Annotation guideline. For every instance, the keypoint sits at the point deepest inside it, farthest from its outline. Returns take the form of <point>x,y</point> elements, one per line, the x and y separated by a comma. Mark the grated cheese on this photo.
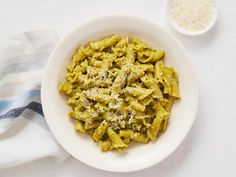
<point>192,15</point>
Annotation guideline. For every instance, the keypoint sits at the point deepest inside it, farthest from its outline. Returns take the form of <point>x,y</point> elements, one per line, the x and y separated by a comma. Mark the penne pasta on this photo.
<point>119,90</point>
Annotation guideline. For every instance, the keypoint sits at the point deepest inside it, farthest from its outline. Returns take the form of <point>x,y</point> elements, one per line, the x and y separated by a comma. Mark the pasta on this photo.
<point>119,91</point>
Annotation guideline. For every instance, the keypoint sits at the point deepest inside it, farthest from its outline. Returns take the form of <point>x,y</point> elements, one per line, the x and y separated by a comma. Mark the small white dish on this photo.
<point>188,32</point>
<point>81,146</point>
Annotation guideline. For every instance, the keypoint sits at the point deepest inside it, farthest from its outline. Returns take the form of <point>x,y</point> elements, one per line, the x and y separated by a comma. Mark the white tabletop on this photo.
<point>210,147</point>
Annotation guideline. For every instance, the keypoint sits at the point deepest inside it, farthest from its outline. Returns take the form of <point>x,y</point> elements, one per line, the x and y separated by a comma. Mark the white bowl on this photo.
<point>192,33</point>
<point>80,145</point>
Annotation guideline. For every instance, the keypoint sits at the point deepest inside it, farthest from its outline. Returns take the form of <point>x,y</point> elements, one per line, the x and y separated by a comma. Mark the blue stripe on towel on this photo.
<point>26,95</point>
<point>4,104</point>
<point>13,113</point>
<point>31,93</point>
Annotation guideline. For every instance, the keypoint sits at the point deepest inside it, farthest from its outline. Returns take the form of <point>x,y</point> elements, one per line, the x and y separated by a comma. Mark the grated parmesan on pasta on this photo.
<point>192,15</point>
<point>120,90</point>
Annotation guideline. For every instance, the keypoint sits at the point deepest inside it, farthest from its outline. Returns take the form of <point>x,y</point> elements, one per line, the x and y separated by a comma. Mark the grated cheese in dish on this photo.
<point>192,15</point>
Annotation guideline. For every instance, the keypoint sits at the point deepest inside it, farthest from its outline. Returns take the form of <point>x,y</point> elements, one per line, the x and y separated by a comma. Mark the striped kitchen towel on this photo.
<point>24,134</point>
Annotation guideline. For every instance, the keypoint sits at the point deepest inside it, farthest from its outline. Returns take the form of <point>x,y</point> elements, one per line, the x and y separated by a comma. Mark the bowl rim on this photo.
<point>119,168</point>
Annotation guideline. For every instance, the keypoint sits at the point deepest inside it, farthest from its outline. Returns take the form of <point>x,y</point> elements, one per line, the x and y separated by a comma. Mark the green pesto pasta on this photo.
<point>119,90</point>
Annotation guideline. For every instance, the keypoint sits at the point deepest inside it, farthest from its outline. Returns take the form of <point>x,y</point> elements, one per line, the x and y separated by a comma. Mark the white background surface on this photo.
<point>210,147</point>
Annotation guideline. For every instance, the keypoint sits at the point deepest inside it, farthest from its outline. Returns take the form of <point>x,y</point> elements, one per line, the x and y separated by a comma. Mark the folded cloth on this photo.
<point>24,134</point>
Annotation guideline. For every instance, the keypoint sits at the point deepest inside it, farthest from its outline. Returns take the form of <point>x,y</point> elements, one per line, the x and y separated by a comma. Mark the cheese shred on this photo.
<point>192,15</point>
